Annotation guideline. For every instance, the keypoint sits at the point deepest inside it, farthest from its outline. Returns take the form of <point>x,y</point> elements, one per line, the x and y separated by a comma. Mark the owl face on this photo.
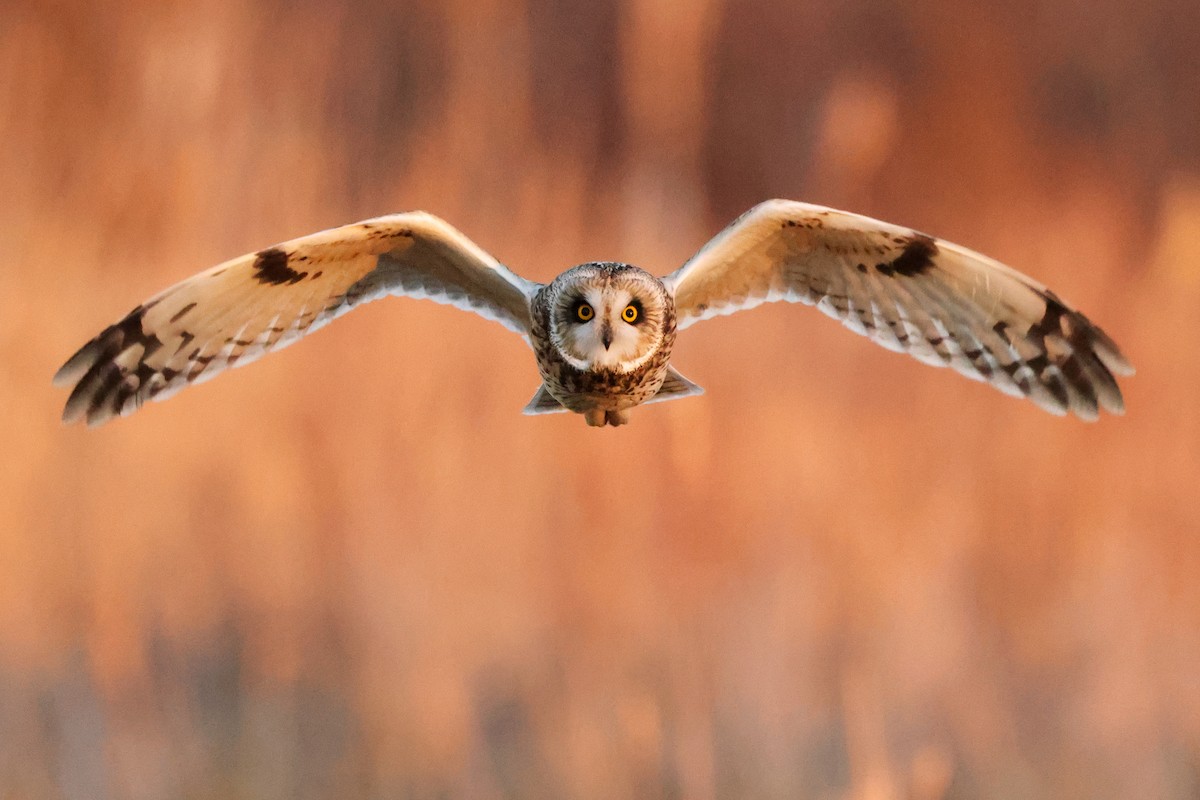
<point>607,316</point>
<point>603,332</point>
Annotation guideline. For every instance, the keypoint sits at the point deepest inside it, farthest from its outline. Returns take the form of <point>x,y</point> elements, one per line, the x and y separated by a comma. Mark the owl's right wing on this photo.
<point>939,302</point>
<point>235,312</point>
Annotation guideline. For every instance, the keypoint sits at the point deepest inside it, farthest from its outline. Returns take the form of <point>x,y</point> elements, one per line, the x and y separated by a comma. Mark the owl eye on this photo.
<point>584,312</point>
<point>630,314</point>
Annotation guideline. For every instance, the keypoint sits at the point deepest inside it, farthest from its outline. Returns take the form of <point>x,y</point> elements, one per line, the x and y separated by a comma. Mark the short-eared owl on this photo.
<point>602,332</point>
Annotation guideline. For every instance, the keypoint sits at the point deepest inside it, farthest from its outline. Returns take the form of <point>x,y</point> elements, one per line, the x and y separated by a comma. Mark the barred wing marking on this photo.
<point>235,312</point>
<point>943,304</point>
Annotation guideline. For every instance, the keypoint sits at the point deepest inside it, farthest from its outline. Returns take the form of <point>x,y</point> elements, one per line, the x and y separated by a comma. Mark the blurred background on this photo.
<point>357,571</point>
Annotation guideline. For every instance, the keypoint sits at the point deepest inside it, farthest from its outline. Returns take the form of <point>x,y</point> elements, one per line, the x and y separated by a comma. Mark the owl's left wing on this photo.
<point>237,311</point>
<point>941,303</point>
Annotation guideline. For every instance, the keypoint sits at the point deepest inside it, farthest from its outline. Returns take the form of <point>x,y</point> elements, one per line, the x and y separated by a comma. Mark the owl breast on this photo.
<point>582,390</point>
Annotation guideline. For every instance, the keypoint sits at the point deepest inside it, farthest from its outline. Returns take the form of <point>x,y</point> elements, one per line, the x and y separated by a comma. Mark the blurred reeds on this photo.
<point>356,571</point>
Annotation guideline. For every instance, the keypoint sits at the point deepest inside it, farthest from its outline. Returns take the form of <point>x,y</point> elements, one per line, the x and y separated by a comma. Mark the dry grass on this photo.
<point>355,570</point>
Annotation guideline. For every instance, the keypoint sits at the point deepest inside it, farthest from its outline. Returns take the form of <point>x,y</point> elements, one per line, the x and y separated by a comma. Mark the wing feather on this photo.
<point>941,303</point>
<point>236,312</point>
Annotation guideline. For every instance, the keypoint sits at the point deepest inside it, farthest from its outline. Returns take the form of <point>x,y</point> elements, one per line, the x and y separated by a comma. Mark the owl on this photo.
<point>602,333</point>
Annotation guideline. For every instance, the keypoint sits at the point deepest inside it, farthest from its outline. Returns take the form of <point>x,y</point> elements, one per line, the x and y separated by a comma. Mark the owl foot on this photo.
<point>598,417</point>
<point>616,418</point>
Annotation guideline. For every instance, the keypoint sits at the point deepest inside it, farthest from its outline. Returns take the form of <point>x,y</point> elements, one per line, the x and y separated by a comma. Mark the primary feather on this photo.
<point>235,312</point>
<point>941,303</point>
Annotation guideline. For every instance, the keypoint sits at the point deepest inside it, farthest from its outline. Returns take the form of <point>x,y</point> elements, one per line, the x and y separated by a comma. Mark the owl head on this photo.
<point>609,316</point>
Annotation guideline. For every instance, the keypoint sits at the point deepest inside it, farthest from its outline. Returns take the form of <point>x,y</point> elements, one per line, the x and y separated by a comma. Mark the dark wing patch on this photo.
<point>235,312</point>
<point>271,267</point>
<point>940,303</point>
<point>915,259</point>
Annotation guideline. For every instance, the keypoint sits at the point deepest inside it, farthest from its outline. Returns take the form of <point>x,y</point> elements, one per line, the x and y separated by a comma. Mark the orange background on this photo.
<point>355,570</point>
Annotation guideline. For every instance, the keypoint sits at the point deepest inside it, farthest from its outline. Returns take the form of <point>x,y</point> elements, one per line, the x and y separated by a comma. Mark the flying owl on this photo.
<point>602,332</point>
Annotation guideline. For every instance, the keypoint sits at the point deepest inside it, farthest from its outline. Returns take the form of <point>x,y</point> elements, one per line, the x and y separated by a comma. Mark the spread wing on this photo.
<point>237,311</point>
<point>941,303</point>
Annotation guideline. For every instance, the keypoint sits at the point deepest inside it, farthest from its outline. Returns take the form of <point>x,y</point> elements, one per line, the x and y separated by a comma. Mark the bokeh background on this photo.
<point>356,571</point>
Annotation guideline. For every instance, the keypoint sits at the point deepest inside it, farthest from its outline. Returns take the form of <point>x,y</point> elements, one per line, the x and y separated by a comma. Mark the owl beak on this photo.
<point>606,335</point>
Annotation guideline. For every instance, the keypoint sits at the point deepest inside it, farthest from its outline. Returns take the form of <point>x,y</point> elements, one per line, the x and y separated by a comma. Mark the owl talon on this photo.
<point>595,417</point>
<point>616,418</point>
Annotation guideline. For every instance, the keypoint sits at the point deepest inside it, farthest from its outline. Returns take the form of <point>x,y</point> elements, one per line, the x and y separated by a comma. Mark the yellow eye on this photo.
<point>630,314</point>
<point>584,312</point>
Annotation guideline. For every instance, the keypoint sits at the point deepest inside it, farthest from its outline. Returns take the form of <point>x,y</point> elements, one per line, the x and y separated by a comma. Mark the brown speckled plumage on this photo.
<point>608,389</point>
<point>602,333</point>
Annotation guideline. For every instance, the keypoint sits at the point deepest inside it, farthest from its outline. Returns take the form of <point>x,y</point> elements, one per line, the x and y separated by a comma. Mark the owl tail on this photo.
<point>543,403</point>
<point>675,387</point>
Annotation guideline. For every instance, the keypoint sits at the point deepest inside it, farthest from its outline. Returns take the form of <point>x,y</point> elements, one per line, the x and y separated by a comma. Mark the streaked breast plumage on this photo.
<point>603,332</point>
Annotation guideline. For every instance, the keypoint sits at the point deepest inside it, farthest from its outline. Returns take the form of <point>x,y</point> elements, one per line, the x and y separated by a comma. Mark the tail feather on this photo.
<point>675,387</point>
<point>543,403</point>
